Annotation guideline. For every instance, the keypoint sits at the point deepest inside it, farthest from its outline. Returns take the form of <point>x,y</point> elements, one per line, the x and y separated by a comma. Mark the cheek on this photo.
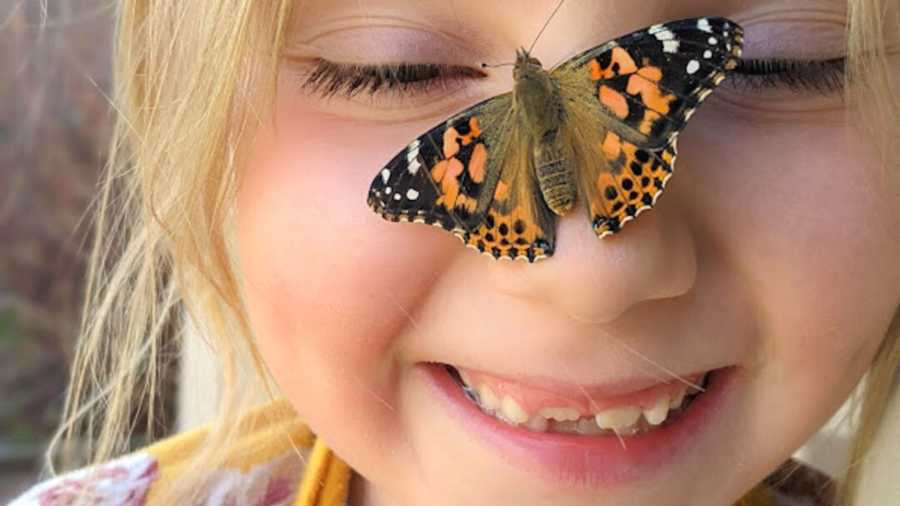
<point>811,228</point>
<point>328,282</point>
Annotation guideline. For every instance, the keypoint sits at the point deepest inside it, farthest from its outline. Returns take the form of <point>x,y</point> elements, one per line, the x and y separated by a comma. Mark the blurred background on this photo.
<point>55,122</point>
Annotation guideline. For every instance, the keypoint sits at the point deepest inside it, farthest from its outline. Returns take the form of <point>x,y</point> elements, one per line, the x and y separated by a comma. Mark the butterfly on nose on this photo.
<point>600,128</point>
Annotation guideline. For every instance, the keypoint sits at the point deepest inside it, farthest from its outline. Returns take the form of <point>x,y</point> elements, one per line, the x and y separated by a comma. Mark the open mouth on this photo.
<point>587,436</point>
<point>650,409</point>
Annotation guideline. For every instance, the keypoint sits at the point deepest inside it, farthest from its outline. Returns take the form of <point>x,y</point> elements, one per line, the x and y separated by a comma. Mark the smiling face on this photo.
<point>770,259</point>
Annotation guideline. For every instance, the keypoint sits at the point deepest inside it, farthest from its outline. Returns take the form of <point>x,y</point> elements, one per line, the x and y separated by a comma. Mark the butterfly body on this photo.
<point>539,110</point>
<point>600,129</point>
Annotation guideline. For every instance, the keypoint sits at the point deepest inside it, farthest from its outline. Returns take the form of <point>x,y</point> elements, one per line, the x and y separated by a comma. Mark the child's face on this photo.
<point>773,253</point>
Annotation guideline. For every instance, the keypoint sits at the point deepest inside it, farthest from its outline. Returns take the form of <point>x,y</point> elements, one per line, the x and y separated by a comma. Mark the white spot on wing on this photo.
<point>707,54</point>
<point>412,151</point>
<point>713,41</point>
<point>665,35</point>
<point>671,46</point>
<point>703,24</point>
<point>397,196</point>
<point>385,175</point>
<point>693,66</point>
<point>412,194</point>
<point>413,167</point>
<point>388,190</point>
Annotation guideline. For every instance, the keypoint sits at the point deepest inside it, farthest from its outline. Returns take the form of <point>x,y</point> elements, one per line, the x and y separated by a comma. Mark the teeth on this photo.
<point>623,420</point>
<point>511,410</point>
<point>658,412</point>
<point>618,418</point>
<point>570,426</point>
<point>465,377</point>
<point>675,403</point>
<point>560,414</point>
<point>538,423</point>
<point>588,427</point>
<point>487,399</point>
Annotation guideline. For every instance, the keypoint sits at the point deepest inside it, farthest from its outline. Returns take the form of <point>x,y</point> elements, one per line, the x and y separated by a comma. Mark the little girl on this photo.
<point>679,360</point>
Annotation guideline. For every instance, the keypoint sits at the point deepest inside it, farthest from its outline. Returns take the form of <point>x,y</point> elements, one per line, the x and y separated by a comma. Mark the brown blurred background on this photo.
<point>54,126</point>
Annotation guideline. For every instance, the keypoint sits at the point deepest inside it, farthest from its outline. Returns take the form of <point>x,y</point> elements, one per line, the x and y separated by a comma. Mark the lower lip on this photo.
<point>585,461</point>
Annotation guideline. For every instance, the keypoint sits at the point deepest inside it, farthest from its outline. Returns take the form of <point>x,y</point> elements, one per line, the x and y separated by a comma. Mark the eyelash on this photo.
<point>819,76</point>
<point>329,79</point>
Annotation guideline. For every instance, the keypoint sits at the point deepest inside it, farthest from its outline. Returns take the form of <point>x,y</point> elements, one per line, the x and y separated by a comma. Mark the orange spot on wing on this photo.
<point>625,65</point>
<point>604,179</point>
<point>451,146</point>
<point>652,73</point>
<point>612,145</point>
<point>594,69</point>
<point>439,169</point>
<point>614,101</point>
<point>644,84</point>
<point>466,202</point>
<point>502,191</point>
<point>478,163</point>
<point>473,124</point>
<point>650,119</point>
<point>446,173</point>
<point>474,132</point>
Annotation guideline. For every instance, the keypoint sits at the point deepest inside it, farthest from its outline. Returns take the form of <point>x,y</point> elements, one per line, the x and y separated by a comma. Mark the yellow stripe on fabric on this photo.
<point>337,483</point>
<point>326,479</point>
<point>267,431</point>
<point>759,496</point>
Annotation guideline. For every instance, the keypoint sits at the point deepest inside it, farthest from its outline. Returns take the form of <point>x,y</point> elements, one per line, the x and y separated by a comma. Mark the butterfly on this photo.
<point>600,128</point>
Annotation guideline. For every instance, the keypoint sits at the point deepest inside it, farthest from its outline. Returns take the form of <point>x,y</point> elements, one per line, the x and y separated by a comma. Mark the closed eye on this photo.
<point>817,76</point>
<point>329,79</point>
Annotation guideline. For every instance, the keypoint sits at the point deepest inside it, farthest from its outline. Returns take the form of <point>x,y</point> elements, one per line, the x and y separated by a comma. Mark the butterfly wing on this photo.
<point>468,176</point>
<point>518,223</point>
<point>628,100</point>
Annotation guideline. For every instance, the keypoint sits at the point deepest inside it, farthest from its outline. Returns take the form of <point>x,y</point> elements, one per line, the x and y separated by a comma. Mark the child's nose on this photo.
<point>652,257</point>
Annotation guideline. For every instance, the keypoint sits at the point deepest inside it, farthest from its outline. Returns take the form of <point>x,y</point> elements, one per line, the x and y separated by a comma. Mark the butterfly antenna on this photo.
<point>546,23</point>
<point>495,65</point>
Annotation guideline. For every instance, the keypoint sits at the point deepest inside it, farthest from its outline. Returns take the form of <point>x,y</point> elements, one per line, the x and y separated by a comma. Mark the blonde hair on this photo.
<point>193,81</point>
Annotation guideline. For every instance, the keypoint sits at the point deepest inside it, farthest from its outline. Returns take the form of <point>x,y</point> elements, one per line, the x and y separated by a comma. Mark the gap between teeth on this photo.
<point>621,420</point>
